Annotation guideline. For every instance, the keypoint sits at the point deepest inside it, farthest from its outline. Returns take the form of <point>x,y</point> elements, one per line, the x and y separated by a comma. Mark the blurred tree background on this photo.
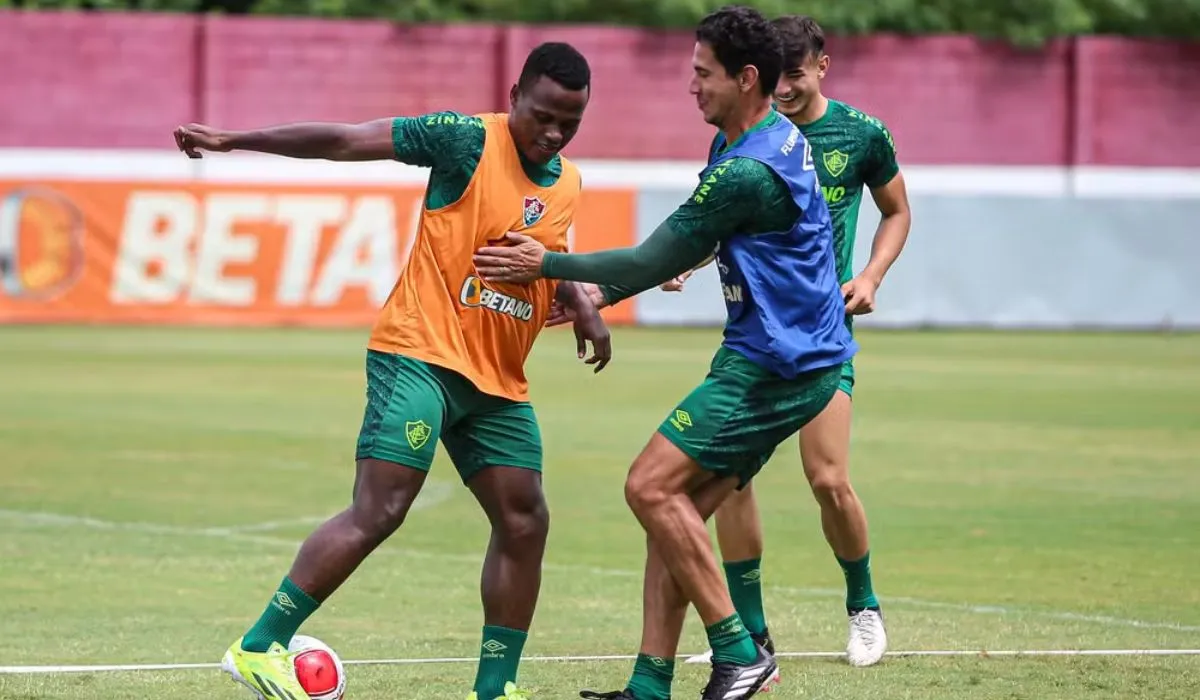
<point>1022,22</point>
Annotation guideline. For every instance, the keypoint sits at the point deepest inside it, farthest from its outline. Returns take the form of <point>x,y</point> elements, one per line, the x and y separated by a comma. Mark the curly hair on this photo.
<point>802,38</point>
<point>741,36</point>
<point>559,62</point>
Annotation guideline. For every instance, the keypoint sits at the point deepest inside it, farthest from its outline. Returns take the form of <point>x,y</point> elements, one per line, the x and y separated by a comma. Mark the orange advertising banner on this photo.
<point>228,254</point>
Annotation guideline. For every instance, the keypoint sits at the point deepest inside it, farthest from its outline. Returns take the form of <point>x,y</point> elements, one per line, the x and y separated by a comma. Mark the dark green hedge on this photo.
<point>1024,22</point>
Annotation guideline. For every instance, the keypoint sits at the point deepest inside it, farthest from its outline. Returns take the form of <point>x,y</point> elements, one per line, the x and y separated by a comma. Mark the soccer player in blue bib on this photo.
<point>854,153</point>
<point>759,208</point>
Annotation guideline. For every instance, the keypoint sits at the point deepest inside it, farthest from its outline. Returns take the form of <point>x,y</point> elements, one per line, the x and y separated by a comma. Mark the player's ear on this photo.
<point>512,96</point>
<point>822,65</point>
<point>747,78</point>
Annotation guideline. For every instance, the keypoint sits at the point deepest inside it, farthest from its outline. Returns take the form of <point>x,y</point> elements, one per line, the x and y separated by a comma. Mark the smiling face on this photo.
<point>799,84</point>
<point>717,92</point>
<point>545,117</point>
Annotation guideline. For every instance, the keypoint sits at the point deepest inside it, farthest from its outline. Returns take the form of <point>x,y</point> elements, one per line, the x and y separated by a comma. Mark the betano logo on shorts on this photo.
<point>475,294</point>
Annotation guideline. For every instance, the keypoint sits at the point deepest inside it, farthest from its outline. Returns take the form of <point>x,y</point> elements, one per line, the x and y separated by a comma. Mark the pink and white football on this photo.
<point>318,668</point>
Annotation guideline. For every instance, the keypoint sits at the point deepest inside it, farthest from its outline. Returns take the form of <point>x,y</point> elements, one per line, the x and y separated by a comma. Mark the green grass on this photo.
<point>1025,491</point>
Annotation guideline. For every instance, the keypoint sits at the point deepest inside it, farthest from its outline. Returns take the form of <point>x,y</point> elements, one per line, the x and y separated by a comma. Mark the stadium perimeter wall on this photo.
<point>1055,188</point>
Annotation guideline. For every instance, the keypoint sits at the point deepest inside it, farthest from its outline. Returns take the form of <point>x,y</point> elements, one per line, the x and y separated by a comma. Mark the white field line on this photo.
<point>33,518</point>
<point>982,654</point>
<point>435,493</point>
<point>977,609</point>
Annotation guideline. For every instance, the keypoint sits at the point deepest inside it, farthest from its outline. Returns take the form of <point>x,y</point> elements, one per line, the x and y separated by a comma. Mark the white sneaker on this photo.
<point>868,638</point>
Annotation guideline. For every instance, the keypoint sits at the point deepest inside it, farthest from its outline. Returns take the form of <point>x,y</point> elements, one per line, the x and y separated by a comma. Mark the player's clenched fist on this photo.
<point>859,294</point>
<point>676,284</point>
<point>194,138</point>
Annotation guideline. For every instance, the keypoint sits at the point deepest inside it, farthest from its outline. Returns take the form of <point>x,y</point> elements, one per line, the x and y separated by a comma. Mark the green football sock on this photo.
<point>499,656</point>
<point>859,593</point>
<point>288,609</point>
<point>745,587</point>
<point>651,679</point>
<point>730,641</point>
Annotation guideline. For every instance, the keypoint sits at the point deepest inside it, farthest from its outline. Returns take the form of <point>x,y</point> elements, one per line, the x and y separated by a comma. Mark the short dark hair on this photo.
<point>802,38</point>
<point>559,62</point>
<point>741,36</point>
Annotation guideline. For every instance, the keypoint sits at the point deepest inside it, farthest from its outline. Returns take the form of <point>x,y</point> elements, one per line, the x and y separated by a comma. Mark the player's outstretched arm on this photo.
<point>328,141</point>
<point>726,201</point>
<point>665,254</point>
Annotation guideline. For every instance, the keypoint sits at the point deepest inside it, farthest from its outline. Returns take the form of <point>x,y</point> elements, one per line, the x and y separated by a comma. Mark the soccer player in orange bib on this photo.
<point>446,356</point>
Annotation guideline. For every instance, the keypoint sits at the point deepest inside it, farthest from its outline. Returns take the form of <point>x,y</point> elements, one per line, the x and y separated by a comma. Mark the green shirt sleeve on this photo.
<point>880,165</point>
<point>624,272</point>
<point>730,198</point>
<point>449,143</point>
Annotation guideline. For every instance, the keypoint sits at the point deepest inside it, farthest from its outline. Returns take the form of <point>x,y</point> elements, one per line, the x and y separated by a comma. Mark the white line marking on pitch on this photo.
<point>35,518</point>
<point>787,590</point>
<point>982,654</point>
<point>432,495</point>
<point>438,492</point>
<point>997,610</point>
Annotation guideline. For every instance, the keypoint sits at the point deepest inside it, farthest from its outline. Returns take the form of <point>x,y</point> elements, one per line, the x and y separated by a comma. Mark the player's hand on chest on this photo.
<point>536,219</point>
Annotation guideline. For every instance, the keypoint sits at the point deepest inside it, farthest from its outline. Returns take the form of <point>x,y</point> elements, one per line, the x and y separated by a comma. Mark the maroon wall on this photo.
<point>114,80</point>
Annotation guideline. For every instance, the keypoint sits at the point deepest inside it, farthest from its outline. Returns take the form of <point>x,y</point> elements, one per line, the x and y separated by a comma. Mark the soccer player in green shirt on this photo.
<point>852,151</point>
<point>443,363</point>
<point>759,210</point>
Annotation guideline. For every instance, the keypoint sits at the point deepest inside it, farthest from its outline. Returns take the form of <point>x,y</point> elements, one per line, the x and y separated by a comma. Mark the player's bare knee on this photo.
<point>644,494</point>
<point>832,488</point>
<point>525,523</point>
<point>382,513</point>
<point>383,494</point>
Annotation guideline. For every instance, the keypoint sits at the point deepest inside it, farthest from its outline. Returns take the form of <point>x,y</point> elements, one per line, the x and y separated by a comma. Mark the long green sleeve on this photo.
<point>665,254</point>
<point>731,198</point>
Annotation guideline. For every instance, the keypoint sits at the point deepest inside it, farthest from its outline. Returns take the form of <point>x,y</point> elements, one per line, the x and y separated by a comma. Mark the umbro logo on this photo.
<point>681,419</point>
<point>284,602</point>
<point>494,647</point>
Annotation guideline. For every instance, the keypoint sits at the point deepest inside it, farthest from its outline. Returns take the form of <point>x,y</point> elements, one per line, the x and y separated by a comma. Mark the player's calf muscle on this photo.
<point>383,494</point>
<point>739,530</point>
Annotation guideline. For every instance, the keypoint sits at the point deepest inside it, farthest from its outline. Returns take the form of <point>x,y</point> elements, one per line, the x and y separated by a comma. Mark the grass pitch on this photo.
<point>1025,491</point>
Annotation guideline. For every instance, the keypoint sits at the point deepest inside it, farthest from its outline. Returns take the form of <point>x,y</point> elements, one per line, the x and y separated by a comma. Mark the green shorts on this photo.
<point>846,382</point>
<point>412,404</point>
<point>732,423</point>
<point>846,385</point>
